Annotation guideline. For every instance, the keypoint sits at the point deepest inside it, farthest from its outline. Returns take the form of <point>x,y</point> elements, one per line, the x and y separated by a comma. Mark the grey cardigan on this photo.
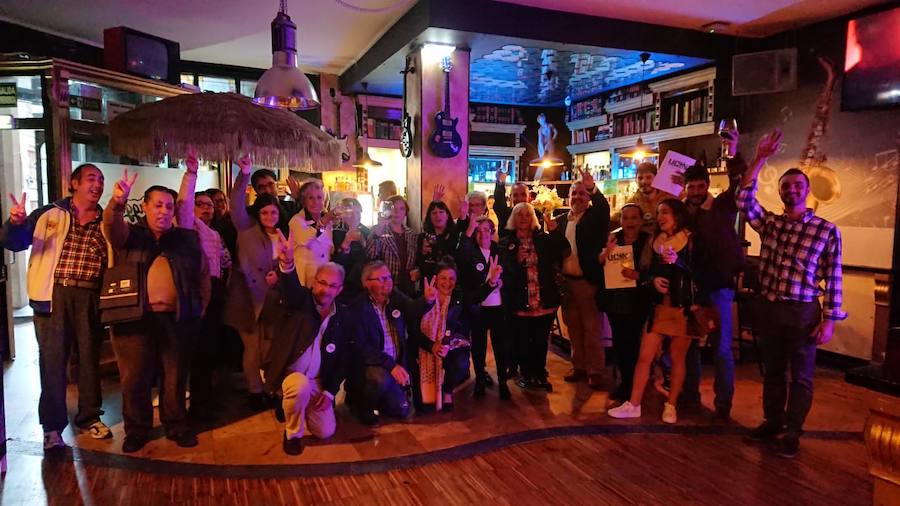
<point>247,286</point>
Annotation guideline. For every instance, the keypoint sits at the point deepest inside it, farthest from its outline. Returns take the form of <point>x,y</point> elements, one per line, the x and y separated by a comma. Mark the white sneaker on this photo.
<point>53,440</point>
<point>669,415</point>
<point>626,410</point>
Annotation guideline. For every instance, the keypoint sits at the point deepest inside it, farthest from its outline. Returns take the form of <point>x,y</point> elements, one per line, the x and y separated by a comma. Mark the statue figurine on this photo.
<point>546,137</point>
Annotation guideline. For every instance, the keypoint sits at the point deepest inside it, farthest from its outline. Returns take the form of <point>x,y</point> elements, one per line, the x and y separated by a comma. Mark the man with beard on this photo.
<point>68,255</point>
<point>798,252</point>
<point>648,197</point>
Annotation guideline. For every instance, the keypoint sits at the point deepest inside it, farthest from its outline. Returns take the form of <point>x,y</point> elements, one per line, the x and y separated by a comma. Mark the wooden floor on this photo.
<point>628,469</point>
<point>559,448</point>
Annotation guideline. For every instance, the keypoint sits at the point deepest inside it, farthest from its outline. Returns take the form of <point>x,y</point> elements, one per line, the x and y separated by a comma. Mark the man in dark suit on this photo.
<point>380,370</point>
<point>585,227</point>
<point>310,347</point>
<point>518,194</point>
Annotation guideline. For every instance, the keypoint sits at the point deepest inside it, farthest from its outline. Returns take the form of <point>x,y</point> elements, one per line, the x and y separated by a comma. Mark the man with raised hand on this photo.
<point>799,252</point>
<point>68,255</point>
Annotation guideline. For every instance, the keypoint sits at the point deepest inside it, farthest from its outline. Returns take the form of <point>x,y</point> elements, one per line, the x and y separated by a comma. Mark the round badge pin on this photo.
<point>447,333</point>
<point>330,348</point>
<point>512,246</point>
<point>479,267</point>
<point>395,313</point>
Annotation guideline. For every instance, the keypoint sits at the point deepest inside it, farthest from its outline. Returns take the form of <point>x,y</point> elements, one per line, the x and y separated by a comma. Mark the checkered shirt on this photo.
<point>796,257</point>
<point>84,251</point>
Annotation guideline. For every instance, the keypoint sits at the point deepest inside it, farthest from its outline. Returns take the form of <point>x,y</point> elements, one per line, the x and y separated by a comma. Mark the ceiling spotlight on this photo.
<point>716,26</point>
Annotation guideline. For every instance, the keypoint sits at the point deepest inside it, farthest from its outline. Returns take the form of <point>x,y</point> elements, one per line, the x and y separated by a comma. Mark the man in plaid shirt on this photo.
<point>799,252</point>
<point>68,255</point>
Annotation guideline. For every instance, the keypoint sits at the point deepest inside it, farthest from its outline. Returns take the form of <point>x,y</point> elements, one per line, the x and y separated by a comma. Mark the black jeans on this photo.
<point>377,389</point>
<point>154,346</point>
<point>785,341</point>
<point>74,320</point>
<point>491,318</point>
<point>532,340</point>
<point>209,350</point>
<point>627,330</point>
<point>456,369</point>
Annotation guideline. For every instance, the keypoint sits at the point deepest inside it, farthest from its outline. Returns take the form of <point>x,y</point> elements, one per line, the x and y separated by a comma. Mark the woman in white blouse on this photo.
<point>311,230</point>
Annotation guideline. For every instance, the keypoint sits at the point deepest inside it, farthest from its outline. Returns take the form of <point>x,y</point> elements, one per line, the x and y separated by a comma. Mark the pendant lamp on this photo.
<point>284,86</point>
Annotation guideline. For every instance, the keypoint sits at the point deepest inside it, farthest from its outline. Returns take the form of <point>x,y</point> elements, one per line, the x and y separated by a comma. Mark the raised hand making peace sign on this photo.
<point>430,292</point>
<point>494,271</point>
<point>123,188</point>
<point>17,213</point>
<point>285,250</point>
<point>587,179</point>
<point>191,162</point>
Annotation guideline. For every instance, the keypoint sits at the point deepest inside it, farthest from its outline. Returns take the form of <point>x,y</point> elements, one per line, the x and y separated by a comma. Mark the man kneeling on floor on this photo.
<point>309,350</point>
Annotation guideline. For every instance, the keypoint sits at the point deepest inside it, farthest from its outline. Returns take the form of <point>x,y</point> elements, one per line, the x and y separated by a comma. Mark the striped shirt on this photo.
<point>796,257</point>
<point>390,332</point>
<point>83,253</point>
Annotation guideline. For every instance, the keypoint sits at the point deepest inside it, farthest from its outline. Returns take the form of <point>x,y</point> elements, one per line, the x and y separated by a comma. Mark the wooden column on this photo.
<point>425,98</point>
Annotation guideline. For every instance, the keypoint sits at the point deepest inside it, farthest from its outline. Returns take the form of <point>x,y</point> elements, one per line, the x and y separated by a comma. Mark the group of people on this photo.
<point>394,316</point>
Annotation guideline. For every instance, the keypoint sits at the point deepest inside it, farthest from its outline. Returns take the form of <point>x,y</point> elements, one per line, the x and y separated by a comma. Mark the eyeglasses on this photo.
<point>333,286</point>
<point>381,279</point>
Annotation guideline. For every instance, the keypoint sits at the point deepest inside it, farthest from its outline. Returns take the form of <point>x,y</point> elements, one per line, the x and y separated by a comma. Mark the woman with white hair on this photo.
<point>312,232</point>
<point>531,261</point>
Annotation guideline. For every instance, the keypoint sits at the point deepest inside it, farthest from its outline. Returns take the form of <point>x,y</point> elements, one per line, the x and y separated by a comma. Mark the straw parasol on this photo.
<point>222,127</point>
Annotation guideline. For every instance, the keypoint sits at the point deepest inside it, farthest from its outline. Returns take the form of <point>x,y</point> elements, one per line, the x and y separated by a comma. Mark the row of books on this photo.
<point>591,134</point>
<point>496,114</point>
<point>380,129</point>
<point>634,123</point>
<point>686,112</point>
<point>585,109</point>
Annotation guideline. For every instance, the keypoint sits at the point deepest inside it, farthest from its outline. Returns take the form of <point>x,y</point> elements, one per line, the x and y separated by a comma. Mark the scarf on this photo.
<point>431,370</point>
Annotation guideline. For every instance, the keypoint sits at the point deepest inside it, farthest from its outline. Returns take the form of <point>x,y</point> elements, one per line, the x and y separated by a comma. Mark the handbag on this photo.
<point>703,320</point>
<point>120,294</point>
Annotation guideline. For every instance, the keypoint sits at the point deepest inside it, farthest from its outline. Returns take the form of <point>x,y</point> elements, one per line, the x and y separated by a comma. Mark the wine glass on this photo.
<point>727,127</point>
<point>341,212</point>
<point>384,215</point>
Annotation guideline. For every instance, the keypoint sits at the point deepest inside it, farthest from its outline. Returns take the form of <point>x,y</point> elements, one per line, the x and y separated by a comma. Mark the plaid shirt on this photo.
<point>796,256</point>
<point>84,250</point>
<point>385,248</point>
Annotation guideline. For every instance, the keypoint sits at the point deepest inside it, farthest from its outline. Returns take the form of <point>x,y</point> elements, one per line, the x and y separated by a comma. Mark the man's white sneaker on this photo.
<point>97,430</point>
<point>669,415</point>
<point>626,410</point>
<point>53,440</point>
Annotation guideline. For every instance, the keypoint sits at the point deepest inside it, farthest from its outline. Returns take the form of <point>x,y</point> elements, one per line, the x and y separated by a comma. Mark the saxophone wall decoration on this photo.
<point>824,183</point>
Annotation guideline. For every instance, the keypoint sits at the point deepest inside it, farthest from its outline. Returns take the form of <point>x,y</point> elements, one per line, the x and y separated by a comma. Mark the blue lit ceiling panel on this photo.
<point>534,75</point>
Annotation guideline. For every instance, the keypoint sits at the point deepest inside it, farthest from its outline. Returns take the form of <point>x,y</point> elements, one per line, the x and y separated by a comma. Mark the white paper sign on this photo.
<point>619,258</point>
<point>673,163</point>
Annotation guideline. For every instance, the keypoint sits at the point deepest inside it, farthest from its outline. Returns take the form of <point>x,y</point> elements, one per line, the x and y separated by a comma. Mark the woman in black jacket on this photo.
<point>439,238</point>
<point>627,308</point>
<point>444,343</point>
<point>474,258</point>
<point>531,261</point>
<point>672,278</point>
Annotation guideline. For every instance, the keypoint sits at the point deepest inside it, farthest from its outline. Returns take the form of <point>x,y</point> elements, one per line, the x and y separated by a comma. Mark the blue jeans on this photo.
<point>724,360</point>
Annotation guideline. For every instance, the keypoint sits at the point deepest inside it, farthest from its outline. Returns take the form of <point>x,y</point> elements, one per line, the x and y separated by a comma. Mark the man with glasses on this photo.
<point>265,181</point>
<point>380,372</point>
<point>310,347</point>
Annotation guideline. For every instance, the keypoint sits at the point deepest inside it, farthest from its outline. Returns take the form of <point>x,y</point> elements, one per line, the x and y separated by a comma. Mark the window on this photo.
<point>248,88</point>
<point>187,79</point>
<point>217,84</point>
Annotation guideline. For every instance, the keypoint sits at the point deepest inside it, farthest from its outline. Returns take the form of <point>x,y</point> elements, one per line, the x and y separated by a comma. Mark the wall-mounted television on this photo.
<point>872,62</point>
<point>141,54</point>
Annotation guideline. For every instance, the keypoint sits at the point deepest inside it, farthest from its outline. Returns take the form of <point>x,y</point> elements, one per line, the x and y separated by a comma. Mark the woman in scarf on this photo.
<point>444,341</point>
<point>671,277</point>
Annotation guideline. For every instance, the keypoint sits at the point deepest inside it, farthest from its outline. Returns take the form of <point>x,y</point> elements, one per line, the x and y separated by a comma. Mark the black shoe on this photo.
<point>447,407</point>
<point>133,443</point>
<point>689,403</point>
<point>368,418</point>
<point>479,388</point>
<point>291,446</point>
<point>487,379</point>
<point>504,391</point>
<point>723,415</point>
<point>787,446</point>
<point>186,439</point>
<point>524,383</point>
<point>512,373</point>
<point>258,402</point>
<point>766,431</point>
